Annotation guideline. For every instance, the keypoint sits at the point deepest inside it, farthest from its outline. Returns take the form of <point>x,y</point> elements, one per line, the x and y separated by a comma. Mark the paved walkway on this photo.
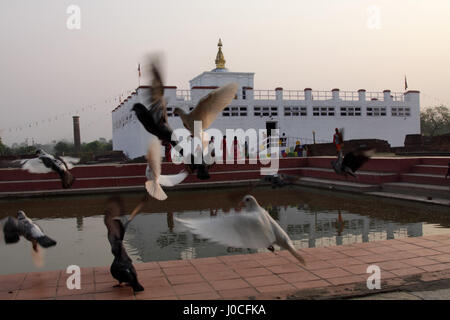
<point>333,272</point>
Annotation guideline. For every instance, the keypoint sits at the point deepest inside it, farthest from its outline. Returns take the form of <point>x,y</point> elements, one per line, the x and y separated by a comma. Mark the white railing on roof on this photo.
<point>374,96</point>
<point>397,96</point>
<point>349,95</point>
<point>322,95</point>
<point>183,95</point>
<point>299,95</point>
<point>293,95</point>
<point>264,95</point>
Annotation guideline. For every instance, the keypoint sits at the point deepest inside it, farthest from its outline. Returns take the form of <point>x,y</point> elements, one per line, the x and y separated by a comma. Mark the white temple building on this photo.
<point>299,114</point>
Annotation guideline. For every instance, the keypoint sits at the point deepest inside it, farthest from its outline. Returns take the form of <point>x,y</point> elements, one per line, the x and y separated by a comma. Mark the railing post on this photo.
<point>248,93</point>
<point>387,95</point>
<point>279,93</point>
<point>335,94</point>
<point>362,94</point>
<point>308,93</point>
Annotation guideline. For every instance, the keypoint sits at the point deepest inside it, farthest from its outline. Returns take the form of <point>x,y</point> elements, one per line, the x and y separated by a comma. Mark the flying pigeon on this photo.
<point>352,161</point>
<point>207,109</point>
<point>254,228</point>
<point>153,172</point>
<point>154,119</point>
<point>45,163</point>
<point>122,268</point>
<point>14,228</point>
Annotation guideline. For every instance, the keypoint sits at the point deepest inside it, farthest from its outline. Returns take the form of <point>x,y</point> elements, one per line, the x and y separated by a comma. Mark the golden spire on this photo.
<point>220,60</point>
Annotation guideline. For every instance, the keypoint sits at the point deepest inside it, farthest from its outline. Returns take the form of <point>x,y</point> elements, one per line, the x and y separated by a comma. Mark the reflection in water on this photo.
<point>305,228</point>
<point>312,218</point>
<point>170,223</point>
<point>80,223</point>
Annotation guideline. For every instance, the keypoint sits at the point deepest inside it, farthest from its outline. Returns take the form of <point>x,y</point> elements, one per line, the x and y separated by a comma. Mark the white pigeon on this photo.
<point>207,109</point>
<point>153,172</point>
<point>254,228</point>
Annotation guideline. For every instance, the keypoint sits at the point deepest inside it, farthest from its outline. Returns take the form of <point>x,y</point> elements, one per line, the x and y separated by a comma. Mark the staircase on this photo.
<point>426,179</point>
<point>404,178</point>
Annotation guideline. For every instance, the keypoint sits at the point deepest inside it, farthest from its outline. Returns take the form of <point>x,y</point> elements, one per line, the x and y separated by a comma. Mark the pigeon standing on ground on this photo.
<point>45,163</point>
<point>352,161</point>
<point>280,180</point>
<point>14,228</point>
<point>122,268</point>
<point>254,228</point>
<point>153,172</point>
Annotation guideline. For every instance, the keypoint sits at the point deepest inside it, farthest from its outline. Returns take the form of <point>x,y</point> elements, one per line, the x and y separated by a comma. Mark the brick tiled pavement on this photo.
<point>260,276</point>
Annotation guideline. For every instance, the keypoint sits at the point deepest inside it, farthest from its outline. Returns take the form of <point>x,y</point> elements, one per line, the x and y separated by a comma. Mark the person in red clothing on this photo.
<point>338,140</point>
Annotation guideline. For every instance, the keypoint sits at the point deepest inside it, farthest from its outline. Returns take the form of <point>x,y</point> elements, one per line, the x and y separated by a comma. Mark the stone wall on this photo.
<point>328,149</point>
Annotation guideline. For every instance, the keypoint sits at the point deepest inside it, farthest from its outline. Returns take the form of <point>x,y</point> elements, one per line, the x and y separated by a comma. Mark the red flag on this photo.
<point>139,69</point>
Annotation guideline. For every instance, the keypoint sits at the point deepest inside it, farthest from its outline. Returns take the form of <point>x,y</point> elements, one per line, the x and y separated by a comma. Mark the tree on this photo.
<point>63,147</point>
<point>97,146</point>
<point>435,121</point>
<point>4,150</point>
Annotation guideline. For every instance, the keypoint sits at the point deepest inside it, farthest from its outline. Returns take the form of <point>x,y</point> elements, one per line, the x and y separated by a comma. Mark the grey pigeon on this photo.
<point>279,180</point>
<point>23,226</point>
<point>45,163</point>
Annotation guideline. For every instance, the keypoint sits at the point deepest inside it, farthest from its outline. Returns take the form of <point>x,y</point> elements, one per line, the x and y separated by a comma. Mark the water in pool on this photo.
<point>312,218</point>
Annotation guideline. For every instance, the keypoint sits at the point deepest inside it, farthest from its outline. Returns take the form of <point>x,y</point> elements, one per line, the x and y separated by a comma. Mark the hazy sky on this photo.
<point>47,70</point>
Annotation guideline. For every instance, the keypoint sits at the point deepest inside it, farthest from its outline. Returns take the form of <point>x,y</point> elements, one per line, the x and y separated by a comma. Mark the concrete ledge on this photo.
<point>438,201</point>
<point>329,273</point>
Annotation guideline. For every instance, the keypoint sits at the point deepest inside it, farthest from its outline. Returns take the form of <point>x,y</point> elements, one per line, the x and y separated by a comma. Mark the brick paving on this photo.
<point>252,276</point>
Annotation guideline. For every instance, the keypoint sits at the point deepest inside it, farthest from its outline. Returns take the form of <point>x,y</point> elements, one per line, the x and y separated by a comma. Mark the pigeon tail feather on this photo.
<point>46,242</point>
<point>67,179</point>
<point>137,287</point>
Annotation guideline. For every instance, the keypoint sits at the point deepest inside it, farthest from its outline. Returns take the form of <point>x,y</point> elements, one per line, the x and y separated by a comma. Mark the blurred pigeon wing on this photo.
<point>237,230</point>
<point>172,180</point>
<point>355,160</point>
<point>70,161</point>
<point>154,189</point>
<point>157,85</point>
<point>9,230</point>
<point>209,107</point>
<point>154,157</point>
<point>35,165</point>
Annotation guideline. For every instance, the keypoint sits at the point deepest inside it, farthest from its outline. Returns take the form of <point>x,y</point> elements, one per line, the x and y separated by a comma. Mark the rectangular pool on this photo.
<point>312,218</point>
